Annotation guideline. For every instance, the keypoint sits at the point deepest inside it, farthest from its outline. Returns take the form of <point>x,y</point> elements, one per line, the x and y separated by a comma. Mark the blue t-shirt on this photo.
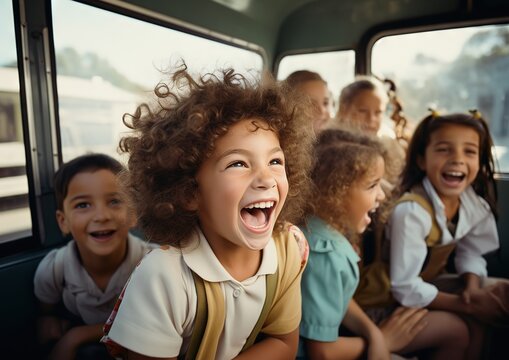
<point>328,283</point>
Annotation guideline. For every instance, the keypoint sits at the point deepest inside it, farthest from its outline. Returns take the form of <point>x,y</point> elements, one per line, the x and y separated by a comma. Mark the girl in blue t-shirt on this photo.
<point>347,173</point>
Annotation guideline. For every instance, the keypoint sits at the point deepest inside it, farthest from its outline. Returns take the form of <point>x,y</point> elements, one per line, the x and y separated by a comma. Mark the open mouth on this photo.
<point>102,235</point>
<point>257,215</point>
<point>453,176</point>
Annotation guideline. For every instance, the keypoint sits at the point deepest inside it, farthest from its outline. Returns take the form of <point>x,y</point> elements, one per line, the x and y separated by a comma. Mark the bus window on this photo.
<point>15,219</point>
<point>105,70</point>
<point>452,70</point>
<point>335,67</point>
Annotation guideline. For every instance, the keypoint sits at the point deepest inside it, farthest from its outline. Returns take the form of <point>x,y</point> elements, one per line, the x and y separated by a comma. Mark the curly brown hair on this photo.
<point>341,158</point>
<point>172,139</point>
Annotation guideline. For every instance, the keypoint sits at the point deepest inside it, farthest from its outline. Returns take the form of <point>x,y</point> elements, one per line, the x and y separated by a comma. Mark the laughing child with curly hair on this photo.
<point>217,171</point>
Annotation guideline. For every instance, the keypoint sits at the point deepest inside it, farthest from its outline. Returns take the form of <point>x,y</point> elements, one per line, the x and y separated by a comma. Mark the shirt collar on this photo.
<point>435,199</point>
<point>321,235</point>
<point>200,258</point>
<point>472,209</point>
<point>75,273</point>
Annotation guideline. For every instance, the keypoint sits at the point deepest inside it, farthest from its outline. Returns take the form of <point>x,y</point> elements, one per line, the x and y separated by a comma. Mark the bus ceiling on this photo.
<point>281,27</point>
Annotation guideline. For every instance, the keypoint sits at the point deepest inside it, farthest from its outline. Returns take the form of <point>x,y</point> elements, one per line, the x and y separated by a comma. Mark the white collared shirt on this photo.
<point>157,312</point>
<point>408,226</point>
<point>65,279</point>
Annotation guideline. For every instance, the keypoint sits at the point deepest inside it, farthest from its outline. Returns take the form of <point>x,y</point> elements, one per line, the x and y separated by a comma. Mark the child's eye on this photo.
<point>373,185</point>
<point>115,201</point>
<point>471,151</point>
<point>277,161</point>
<point>442,149</point>
<point>82,205</point>
<point>237,164</point>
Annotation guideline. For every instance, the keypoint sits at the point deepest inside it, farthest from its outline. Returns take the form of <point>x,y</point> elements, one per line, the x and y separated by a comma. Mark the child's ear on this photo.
<point>62,222</point>
<point>192,205</point>
<point>194,202</point>
<point>132,221</point>
<point>421,162</point>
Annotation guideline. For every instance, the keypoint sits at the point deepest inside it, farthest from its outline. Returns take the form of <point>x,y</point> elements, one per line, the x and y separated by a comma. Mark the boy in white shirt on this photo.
<point>78,284</point>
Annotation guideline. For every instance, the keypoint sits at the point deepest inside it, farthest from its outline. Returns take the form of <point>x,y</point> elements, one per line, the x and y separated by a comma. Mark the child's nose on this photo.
<point>264,179</point>
<point>325,111</point>
<point>457,157</point>
<point>102,213</point>
<point>374,118</point>
<point>381,194</point>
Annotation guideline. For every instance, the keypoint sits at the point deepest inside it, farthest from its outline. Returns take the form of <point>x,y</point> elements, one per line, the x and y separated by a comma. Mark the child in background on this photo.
<point>450,166</point>
<point>312,85</point>
<point>362,106</point>
<point>77,285</point>
<point>216,171</point>
<point>346,177</point>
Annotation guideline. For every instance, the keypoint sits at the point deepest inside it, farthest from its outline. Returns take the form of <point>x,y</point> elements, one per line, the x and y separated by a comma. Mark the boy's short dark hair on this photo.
<point>83,163</point>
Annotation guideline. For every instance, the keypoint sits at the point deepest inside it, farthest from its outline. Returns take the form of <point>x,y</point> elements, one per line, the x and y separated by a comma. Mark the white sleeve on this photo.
<point>482,239</point>
<point>47,288</point>
<point>408,226</point>
<point>155,308</point>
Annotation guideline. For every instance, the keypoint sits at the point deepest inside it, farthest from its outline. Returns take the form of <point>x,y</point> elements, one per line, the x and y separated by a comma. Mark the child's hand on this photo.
<point>402,326</point>
<point>470,291</point>
<point>472,286</point>
<point>50,328</point>
<point>377,347</point>
<point>491,304</point>
<point>65,348</point>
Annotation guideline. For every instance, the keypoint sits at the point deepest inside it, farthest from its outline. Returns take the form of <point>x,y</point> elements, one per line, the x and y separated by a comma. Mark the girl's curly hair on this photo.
<point>341,159</point>
<point>172,139</point>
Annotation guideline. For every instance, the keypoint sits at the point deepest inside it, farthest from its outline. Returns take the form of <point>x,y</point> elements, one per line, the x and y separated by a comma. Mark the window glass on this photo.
<point>15,219</point>
<point>452,70</point>
<point>105,70</point>
<point>335,67</point>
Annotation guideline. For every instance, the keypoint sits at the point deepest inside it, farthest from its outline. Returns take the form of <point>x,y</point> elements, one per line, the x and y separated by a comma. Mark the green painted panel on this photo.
<point>341,24</point>
<point>18,310</point>
<point>244,26</point>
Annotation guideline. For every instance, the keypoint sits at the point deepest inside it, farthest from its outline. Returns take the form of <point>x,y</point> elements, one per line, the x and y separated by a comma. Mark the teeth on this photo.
<point>261,205</point>
<point>105,232</point>
<point>454,173</point>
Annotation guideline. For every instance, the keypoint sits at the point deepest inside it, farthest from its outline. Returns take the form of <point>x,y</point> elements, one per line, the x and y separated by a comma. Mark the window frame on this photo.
<point>424,24</point>
<point>36,62</point>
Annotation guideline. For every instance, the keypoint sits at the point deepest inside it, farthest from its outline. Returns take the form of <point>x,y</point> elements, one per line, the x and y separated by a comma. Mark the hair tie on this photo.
<point>476,114</point>
<point>434,113</point>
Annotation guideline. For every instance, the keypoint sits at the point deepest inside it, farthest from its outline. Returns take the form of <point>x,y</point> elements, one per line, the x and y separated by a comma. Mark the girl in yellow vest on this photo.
<point>215,170</point>
<point>450,168</point>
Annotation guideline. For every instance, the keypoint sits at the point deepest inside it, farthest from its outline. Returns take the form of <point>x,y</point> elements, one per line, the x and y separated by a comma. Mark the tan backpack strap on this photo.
<point>215,320</point>
<point>209,321</point>
<point>201,318</point>
<point>210,314</point>
<point>270,293</point>
<point>435,234</point>
<point>436,261</point>
<point>378,234</point>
